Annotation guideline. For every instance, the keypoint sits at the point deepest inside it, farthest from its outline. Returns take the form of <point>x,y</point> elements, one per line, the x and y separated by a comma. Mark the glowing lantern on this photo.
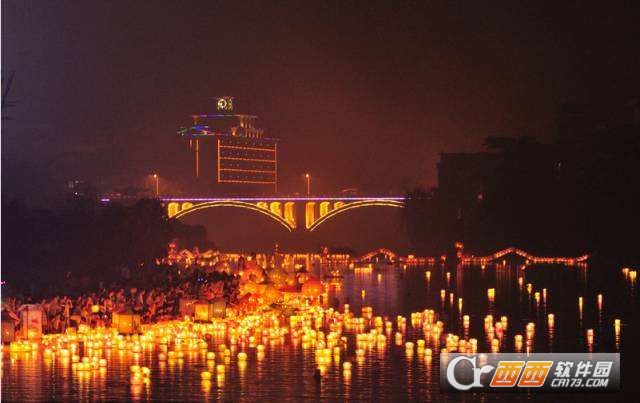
<point>303,275</point>
<point>126,322</point>
<point>277,276</point>
<point>202,311</point>
<point>31,319</point>
<point>222,267</point>
<point>252,272</point>
<point>187,306</point>
<point>270,294</point>
<point>95,308</point>
<point>218,308</point>
<point>8,328</point>
<point>312,288</point>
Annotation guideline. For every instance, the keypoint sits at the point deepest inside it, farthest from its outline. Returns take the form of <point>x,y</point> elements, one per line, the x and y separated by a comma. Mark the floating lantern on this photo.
<point>126,322</point>
<point>202,311</point>
<point>31,318</point>
<point>242,356</point>
<point>491,293</point>
<point>205,375</point>
<point>8,328</point>
<point>312,288</point>
<point>550,320</point>
<point>398,338</point>
<point>187,307</point>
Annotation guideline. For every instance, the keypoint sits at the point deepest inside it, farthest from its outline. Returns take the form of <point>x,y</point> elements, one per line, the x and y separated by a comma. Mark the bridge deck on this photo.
<point>257,199</point>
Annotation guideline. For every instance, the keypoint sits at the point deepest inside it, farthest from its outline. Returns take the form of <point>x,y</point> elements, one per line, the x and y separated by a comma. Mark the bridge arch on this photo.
<point>353,205</point>
<point>237,204</point>
<point>389,254</point>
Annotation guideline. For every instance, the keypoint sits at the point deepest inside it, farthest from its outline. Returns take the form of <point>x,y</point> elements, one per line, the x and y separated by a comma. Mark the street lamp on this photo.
<point>308,178</point>
<point>157,179</point>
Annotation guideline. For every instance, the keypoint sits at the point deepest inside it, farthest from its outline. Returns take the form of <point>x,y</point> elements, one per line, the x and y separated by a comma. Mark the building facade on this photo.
<point>230,155</point>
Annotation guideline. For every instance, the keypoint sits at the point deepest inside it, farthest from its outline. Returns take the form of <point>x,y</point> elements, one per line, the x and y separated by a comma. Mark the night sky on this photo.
<point>363,95</point>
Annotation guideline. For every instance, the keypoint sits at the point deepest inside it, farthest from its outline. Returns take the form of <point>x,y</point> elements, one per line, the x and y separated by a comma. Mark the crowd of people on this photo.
<point>158,301</point>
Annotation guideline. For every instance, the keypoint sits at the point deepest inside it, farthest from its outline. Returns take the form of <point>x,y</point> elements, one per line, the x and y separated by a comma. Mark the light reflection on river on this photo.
<point>286,372</point>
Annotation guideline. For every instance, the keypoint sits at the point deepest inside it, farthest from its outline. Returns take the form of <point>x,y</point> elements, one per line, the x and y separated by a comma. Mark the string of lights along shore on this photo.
<point>230,154</point>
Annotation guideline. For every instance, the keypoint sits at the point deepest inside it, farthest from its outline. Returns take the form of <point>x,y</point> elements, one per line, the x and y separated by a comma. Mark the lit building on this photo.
<point>230,154</point>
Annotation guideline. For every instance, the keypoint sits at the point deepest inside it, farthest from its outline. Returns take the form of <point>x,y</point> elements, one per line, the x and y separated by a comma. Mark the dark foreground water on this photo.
<point>286,371</point>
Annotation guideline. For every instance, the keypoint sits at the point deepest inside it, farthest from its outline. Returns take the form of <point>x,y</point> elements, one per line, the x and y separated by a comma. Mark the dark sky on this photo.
<point>362,95</point>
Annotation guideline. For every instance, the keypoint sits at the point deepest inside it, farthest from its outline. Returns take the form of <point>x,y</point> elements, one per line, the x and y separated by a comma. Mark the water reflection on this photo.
<point>504,308</point>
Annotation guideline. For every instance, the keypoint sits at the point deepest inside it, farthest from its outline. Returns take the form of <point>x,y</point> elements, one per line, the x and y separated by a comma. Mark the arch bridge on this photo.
<point>387,253</point>
<point>290,212</point>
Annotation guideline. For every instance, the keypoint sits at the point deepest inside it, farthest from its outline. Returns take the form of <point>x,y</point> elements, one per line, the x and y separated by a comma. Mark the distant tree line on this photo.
<point>578,194</point>
<point>85,242</point>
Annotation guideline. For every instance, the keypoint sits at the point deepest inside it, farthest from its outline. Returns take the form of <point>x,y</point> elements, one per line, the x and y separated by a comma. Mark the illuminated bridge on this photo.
<point>285,210</point>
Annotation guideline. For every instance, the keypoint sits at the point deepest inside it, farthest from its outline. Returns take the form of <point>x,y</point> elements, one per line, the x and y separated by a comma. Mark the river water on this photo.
<point>286,371</point>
